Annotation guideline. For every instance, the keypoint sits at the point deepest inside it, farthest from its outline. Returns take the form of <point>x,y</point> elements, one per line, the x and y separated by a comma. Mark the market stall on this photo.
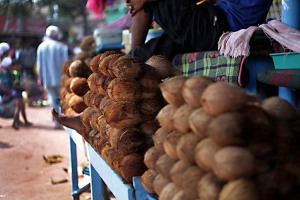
<point>151,133</point>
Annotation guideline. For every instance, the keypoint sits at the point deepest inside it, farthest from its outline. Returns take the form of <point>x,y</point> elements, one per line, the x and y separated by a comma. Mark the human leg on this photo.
<point>23,112</point>
<point>16,119</point>
<point>54,98</point>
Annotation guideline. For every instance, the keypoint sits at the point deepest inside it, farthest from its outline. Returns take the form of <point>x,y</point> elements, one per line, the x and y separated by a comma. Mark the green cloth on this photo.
<point>210,64</point>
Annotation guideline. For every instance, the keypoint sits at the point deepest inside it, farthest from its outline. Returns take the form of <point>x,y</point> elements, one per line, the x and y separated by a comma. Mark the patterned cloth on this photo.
<point>210,64</point>
<point>275,10</point>
<point>286,78</point>
<point>287,36</point>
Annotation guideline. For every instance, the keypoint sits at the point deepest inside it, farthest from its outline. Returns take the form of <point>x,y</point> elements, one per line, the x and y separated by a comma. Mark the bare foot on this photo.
<point>15,126</point>
<point>28,124</point>
<point>73,122</point>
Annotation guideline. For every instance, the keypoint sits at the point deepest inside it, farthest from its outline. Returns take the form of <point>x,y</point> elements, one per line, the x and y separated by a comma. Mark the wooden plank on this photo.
<point>114,182</point>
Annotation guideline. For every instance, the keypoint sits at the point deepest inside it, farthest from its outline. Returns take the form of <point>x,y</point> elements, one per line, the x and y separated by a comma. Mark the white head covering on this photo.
<point>52,32</point>
<point>6,62</point>
<point>4,47</point>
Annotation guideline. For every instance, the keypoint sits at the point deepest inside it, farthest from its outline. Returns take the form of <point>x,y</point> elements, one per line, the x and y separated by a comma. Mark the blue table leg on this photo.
<point>74,172</point>
<point>98,187</point>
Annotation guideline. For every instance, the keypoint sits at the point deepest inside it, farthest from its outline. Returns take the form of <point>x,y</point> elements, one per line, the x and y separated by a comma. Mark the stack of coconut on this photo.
<point>74,78</point>
<point>74,86</point>
<point>218,142</point>
<point>122,104</point>
<point>87,47</point>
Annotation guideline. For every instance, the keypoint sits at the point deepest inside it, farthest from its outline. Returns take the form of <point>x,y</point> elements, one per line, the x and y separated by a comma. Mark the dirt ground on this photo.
<point>25,174</point>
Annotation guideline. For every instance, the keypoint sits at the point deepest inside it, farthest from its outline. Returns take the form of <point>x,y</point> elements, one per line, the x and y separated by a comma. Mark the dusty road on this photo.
<point>24,173</point>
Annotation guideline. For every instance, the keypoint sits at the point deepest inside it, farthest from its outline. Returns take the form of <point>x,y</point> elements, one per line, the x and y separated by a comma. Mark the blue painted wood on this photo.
<point>289,94</point>
<point>96,184</point>
<point>75,139</point>
<point>254,64</point>
<point>140,192</point>
<point>114,182</point>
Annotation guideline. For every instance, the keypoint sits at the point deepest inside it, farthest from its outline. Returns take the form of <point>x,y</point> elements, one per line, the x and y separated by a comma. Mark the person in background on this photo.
<point>51,55</point>
<point>189,25</point>
<point>11,70</point>
<point>27,59</point>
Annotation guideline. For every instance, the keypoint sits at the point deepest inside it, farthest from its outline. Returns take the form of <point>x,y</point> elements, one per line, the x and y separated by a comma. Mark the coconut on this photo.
<point>66,66</point>
<point>168,192</point>
<point>77,104</point>
<point>159,183</point>
<point>171,89</point>
<point>181,118</point>
<point>147,180</point>
<point>228,129</point>
<point>94,63</point>
<point>177,170</point>
<point>94,120</point>
<point>260,124</point>
<point>204,153</point>
<point>87,43</point>
<point>104,63</point>
<point>95,81</point>
<point>127,140</point>
<point>165,117</point>
<point>223,97</point>
<point>150,81</point>
<point>68,83</point>
<point>111,62</point>
<point>150,107</point>
<point>163,67</point>
<point>228,158</point>
<point>279,108</point>
<point>132,165</point>
<point>150,157</point>
<point>79,69</point>
<point>149,127</point>
<point>239,189</point>
<point>198,121</point>
<point>193,88</point>
<point>159,138</point>
<point>170,144</point>
<point>127,67</point>
<point>79,86</point>
<point>164,165</point>
<point>185,147</point>
<point>124,90</point>
<point>191,177</point>
<point>87,114</point>
<point>209,187</point>
<point>180,195</point>
<point>63,79</point>
<point>122,114</point>
<point>262,149</point>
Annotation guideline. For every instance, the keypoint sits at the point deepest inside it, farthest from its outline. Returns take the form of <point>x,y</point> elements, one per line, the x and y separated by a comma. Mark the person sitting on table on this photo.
<point>189,25</point>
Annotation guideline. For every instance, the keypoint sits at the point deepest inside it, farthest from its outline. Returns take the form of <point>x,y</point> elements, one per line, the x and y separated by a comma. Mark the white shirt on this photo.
<point>51,55</point>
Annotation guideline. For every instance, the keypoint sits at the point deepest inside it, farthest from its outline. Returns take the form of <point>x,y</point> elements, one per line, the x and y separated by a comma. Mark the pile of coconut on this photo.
<point>121,106</point>
<point>217,142</point>
<point>74,78</point>
<point>74,86</point>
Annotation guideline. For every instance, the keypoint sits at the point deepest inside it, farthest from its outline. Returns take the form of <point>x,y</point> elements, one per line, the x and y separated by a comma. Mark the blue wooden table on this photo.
<point>102,176</point>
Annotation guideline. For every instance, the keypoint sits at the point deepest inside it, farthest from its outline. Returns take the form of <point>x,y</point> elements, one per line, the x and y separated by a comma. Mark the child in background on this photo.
<point>11,70</point>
